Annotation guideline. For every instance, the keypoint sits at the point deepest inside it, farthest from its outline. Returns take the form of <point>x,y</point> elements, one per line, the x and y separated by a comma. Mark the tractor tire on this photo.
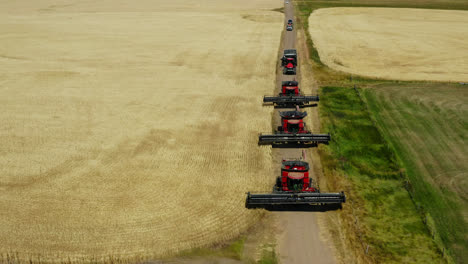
<point>278,182</point>
<point>277,186</point>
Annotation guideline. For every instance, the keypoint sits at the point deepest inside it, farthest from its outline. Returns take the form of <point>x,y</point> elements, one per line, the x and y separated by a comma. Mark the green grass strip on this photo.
<point>422,140</point>
<point>381,206</point>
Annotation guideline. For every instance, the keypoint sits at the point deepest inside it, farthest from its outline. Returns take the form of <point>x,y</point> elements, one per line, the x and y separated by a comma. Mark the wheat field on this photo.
<point>129,129</point>
<point>393,43</point>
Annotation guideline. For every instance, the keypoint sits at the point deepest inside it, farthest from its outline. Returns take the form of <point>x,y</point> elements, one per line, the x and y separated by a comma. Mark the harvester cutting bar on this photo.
<point>290,99</point>
<point>294,198</point>
<point>302,138</point>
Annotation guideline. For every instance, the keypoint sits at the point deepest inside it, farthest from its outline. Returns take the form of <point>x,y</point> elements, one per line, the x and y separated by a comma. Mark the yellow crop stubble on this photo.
<point>393,43</point>
<point>132,133</point>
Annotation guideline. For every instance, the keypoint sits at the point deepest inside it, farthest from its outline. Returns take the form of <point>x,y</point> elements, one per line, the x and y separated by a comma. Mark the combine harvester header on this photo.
<point>290,96</point>
<point>293,131</point>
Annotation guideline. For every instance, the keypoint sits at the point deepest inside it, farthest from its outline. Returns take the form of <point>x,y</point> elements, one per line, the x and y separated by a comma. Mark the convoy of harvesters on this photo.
<point>294,186</point>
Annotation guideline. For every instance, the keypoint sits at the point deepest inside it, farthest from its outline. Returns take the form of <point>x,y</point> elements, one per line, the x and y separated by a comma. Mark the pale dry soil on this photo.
<point>393,43</point>
<point>130,128</point>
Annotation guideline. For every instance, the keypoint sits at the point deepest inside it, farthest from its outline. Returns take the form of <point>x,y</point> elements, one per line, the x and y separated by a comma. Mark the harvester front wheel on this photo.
<point>278,184</point>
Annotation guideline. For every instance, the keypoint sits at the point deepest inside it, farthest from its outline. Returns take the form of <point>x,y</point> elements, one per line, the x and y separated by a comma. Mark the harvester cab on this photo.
<point>290,96</point>
<point>293,131</point>
<point>294,187</point>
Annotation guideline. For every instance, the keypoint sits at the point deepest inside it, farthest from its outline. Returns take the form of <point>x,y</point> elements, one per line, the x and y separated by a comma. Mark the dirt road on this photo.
<point>300,240</point>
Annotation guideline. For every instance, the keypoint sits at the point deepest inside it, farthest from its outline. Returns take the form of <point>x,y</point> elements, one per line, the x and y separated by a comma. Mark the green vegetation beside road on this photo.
<point>427,126</point>
<point>233,250</point>
<point>268,257</point>
<point>379,210</point>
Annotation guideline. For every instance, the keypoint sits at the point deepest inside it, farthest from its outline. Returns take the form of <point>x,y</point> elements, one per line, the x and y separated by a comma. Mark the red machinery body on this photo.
<point>289,56</point>
<point>293,131</point>
<point>293,122</point>
<point>290,88</point>
<point>294,187</point>
<point>295,177</point>
<point>289,64</point>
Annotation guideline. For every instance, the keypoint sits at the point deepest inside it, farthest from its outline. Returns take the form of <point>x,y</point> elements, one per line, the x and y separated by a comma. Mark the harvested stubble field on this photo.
<point>393,43</point>
<point>128,129</point>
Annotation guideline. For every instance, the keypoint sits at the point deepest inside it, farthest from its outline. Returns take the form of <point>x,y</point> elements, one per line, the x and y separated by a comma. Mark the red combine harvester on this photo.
<point>290,96</point>
<point>294,187</point>
<point>289,56</point>
<point>289,69</point>
<point>293,131</point>
<point>289,61</point>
